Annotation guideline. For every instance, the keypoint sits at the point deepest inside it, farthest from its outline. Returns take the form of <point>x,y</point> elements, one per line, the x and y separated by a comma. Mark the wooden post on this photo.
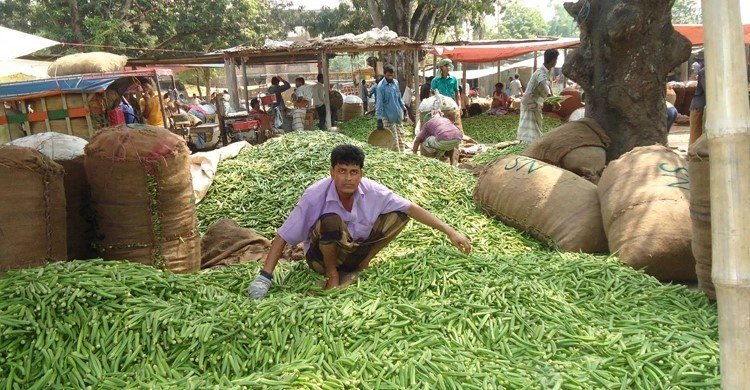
<point>728,131</point>
<point>684,72</point>
<point>415,105</point>
<point>498,72</point>
<point>161,103</point>
<point>89,122</point>
<point>463,88</point>
<point>67,118</point>
<point>44,108</point>
<point>231,72</point>
<point>244,83</point>
<point>434,65</point>
<point>26,125</point>
<point>565,58</point>
<point>535,61</point>
<point>326,82</point>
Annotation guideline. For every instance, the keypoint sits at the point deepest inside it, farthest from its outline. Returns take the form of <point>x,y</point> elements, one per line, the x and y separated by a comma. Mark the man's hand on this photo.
<point>460,241</point>
<point>259,287</point>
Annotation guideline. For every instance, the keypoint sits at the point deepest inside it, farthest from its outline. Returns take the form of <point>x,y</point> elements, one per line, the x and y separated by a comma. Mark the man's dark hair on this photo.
<point>254,102</point>
<point>320,77</point>
<point>300,80</point>
<point>275,80</point>
<point>388,69</point>
<point>550,55</point>
<point>430,78</point>
<point>348,154</point>
<point>499,85</point>
<point>517,76</point>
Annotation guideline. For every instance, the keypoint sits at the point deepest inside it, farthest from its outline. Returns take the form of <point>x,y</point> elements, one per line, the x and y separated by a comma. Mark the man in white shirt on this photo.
<point>319,91</point>
<point>302,92</point>
<point>516,89</point>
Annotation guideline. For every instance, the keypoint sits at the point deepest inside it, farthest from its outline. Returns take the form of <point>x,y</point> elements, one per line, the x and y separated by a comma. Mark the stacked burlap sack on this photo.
<point>142,193</point>
<point>32,209</point>
<point>67,150</point>
<point>352,108</point>
<point>555,206</point>
<point>579,147</point>
<point>93,62</point>
<point>644,197</point>
<point>700,213</point>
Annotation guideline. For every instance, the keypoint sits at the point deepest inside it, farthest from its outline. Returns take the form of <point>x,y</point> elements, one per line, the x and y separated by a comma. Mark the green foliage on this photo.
<point>519,21</point>
<point>687,12</point>
<point>182,25</point>
<point>329,22</point>
<point>562,24</point>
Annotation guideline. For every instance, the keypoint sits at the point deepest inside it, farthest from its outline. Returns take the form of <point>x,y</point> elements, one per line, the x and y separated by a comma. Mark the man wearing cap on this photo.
<point>446,84</point>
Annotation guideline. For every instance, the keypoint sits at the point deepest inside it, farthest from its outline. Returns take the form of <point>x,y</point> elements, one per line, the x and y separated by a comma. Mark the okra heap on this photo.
<point>512,314</point>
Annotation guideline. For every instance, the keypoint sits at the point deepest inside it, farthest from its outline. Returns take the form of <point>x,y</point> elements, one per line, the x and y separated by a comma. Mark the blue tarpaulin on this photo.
<point>89,83</point>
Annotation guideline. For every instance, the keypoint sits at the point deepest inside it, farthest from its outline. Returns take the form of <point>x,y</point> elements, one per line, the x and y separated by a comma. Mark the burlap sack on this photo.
<point>700,213</point>
<point>67,150</point>
<point>143,197</point>
<point>553,205</point>
<point>579,146</point>
<point>679,91</point>
<point>644,197</point>
<point>351,111</point>
<point>93,62</point>
<point>569,105</point>
<point>671,95</point>
<point>226,243</point>
<point>32,209</point>
<point>687,100</point>
<point>336,99</point>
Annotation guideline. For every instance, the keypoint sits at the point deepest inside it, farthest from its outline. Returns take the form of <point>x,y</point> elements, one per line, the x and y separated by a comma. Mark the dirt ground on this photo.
<point>678,139</point>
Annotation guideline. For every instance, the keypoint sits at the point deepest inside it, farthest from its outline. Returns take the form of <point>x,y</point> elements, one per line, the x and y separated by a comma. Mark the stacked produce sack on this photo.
<point>553,205</point>
<point>700,212</point>
<point>352,107</point>
<point>579,146</point>
<point>444,104</point>
<point>32,209</point>
<point>93,62</point>
<point>567,106</point>
<point>67,150</point>
<point>644,198</point>
<point>143,197</point>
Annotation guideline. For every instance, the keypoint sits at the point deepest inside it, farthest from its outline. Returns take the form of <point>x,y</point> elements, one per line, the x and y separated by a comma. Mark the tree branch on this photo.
<point>125,8</point>
<point>374,8</point>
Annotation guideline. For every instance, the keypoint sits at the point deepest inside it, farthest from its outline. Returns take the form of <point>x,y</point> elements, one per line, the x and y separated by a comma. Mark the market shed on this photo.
<point>320,50</point>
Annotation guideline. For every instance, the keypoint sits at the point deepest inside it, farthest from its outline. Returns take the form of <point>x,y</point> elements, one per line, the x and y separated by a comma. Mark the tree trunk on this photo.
<point>627,48</point>
<point>207,76</point>
<point>75,21</point>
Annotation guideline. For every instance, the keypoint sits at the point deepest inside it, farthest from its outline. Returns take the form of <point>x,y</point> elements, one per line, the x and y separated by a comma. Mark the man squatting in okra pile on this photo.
<point>344,221</point>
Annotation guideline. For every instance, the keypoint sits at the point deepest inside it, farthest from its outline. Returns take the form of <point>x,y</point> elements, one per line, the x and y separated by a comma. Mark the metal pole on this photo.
<point>326,81</point>
<point>244,82</point>
<point>728,131</point>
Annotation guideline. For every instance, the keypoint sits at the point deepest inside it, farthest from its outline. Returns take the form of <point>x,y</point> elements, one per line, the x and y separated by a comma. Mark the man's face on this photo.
<point>346,177</point>
<point>445,70</point>
<point>298,83</point>
<point>389,76</point>
<point>147,88</point>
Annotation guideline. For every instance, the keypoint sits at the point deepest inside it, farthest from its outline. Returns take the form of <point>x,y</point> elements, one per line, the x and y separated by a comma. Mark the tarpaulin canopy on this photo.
<point>17,43</point>
<point>694,33</point>
<point>470,74</point>
<point>478,54</point>
<point>69,84</point>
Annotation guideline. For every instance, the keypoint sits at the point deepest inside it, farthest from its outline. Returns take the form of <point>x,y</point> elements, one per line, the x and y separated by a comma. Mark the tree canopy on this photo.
<point>518,22</point>
<point>180,25</point>
<point>686,12</point>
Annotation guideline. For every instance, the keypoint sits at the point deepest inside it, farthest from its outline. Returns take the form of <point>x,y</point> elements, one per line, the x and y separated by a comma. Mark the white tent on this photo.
<point>19,44</point>
<point>35,69</point>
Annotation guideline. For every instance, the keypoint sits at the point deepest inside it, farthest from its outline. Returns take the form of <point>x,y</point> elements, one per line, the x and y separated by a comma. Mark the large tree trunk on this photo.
<point>75,21</point>
<point>627,49</point>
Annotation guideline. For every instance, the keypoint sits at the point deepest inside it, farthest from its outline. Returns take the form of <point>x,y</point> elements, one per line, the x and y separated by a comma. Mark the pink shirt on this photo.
<point>370,200</point>
<point>440,127</point>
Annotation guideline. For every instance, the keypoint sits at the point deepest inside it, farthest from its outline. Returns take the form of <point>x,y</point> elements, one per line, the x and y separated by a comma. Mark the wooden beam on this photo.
<point>67,119</point>
<point>231,72</point>
<point>244,83</point>
<point>326,81</point>
<point>728,132</point>
<point>44,108</point>
<point>89,122</point>
<point>415,105</point>
<point>535,60</point>
<point>161,103</point>
<point>25,125</point>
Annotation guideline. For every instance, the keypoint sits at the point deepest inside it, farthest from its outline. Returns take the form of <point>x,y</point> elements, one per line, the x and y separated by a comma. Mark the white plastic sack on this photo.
<point>58,147</point>
<point>577,114</point>
<point>432,103</point>
<point>352,99</point>
<point>203,166</point>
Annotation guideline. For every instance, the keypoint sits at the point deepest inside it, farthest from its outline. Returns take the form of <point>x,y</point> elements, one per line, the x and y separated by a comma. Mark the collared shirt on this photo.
<point>388,103</point>
<point>319,94</point>
<point>447,86</point>
<point>277,90</point>
<point>441,128</point>
<point>305,92</point>
<point>515,87</point>
<point>539,86</point>
<point>370,200</point>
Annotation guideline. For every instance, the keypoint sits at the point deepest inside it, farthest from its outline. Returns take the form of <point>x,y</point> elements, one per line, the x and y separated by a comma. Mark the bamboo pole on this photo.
<point>728,131</point>
<point>326,82</point>
<point>245,85</point>
<point>414,107</point>
<point>536,60</point>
